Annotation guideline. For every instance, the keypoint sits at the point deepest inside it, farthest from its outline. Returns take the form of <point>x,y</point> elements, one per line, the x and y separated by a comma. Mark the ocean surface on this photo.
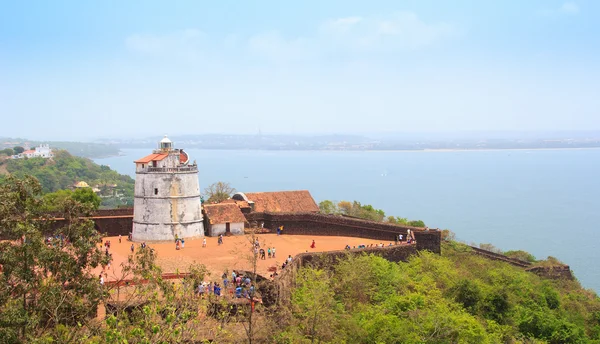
<point>546,202</point>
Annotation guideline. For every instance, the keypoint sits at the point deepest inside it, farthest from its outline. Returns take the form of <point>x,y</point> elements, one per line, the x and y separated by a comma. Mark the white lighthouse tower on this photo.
<point>167,196</point>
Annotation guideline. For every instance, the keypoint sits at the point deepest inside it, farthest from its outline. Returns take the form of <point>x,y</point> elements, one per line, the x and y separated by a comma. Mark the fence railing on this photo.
<point>173,169</point>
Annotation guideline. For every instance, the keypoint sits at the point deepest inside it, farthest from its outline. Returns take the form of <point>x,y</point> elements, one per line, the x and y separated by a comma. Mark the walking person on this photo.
<point>132,248</point>
<point>119,238</point>
<point>203,242</point>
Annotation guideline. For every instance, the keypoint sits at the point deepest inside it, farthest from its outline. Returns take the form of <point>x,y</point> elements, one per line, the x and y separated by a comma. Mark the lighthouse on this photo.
<point>167,196</point>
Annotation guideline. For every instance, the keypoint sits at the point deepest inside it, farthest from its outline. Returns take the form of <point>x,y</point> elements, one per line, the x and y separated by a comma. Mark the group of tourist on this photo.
<point>239,286</point>
<point>57,239</point>
<point>270,253</point>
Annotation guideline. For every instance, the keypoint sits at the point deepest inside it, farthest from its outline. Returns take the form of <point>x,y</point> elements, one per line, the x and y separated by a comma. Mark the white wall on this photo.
<point>173,210</point>
<point>236,228</point>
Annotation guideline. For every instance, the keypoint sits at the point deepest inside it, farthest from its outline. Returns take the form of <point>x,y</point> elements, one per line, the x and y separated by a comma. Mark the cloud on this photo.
<point>570,8</point>
<point>187,41</point>
<point>567,8</point>
<point>273,46</point>
<point>400,31</point>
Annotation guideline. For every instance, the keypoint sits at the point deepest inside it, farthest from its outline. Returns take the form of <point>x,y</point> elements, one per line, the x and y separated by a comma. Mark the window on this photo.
<point>142,165</point>
<point>155,191</point>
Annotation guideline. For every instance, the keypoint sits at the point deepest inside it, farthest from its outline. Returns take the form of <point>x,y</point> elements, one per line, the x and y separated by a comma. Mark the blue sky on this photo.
<point>86,69</point>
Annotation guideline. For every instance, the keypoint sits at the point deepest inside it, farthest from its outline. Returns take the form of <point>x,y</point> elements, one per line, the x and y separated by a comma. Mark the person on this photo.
<point>101,280</point>
<point>273,252</point>
<point>238,291</point>
<point>177,245</point>
<point>132,248</point>
<point>182,243</point>
<point>289,258</point>
<point>203,242</point>
<point>119,238</point>
<point>262,253</point>
<point>269,252</point>
<point>400,236</point>
<point>200,290</point>
<point>313,244</point>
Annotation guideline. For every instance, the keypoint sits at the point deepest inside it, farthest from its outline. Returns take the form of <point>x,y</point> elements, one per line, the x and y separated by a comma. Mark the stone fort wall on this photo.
<point>331,225</point>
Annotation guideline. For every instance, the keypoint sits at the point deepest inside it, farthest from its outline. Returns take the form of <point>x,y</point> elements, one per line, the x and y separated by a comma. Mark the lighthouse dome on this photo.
<point>166,144</point>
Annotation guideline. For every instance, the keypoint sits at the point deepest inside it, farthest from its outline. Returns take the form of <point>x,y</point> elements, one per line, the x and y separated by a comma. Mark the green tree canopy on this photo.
<point>18,150</point>
<point>44,284</point>
<point>7,152</point>
<point>64,170</point>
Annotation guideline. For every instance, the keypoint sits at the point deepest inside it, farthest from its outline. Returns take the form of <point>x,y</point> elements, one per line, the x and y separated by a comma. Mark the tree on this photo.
<point>218,192</point>
<point>416,223</point>
<point>87,196</point>
<point>45,283</point>
<point>314,305</point>
<point>18,150</point>
<point>328,207</point>
<point>7,152</point>
<point>83,195</point>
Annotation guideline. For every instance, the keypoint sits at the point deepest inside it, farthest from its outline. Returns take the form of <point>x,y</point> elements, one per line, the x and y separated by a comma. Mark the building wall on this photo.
<point>220,228</point>
<point>167,205</point>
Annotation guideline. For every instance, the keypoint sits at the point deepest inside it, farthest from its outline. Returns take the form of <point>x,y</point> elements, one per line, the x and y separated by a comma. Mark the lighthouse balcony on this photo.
<point>179,169</point>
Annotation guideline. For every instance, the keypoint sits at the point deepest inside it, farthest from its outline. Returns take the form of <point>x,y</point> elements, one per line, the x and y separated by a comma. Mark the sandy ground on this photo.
<point>233,254</point>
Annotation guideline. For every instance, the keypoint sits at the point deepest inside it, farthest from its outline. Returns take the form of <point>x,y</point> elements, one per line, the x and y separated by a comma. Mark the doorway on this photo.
<point>227,228</point>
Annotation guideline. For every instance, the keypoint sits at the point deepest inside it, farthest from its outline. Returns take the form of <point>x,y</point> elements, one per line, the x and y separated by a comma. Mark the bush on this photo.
<point>520,255</point>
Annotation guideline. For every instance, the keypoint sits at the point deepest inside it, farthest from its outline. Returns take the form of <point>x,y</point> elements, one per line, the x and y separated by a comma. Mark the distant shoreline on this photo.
<point>433,150</point>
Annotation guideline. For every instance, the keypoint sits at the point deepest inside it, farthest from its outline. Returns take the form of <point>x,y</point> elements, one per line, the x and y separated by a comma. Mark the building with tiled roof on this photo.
<point>224,218</point>
<point>298,201</point>
<point>243,205</point>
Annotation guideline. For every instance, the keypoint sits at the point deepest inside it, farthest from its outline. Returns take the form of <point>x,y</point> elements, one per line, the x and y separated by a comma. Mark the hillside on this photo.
<point>458,297</point>
<point>65,170</point>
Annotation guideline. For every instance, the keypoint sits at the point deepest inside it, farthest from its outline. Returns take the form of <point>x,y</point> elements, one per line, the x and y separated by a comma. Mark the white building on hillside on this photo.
<point>42,151</point>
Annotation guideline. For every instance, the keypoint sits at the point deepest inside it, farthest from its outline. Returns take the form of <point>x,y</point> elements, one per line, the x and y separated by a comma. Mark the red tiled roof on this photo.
<point>151,157</point>
<point>30,151</point>
<point>223,213</point>
<point>241,204</point>
<point>283,201</point>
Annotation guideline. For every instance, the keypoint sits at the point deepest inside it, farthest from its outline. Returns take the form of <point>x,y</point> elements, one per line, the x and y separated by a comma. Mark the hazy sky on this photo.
<point>86,69</point>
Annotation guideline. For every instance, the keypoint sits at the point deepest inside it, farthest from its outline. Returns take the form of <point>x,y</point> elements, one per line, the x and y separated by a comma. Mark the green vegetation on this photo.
<point>367,212</point>
<point>7,152</point>
<point>44,285</point>
<point>454,298</point>
<point>64,170</point>
<point>53,200</point>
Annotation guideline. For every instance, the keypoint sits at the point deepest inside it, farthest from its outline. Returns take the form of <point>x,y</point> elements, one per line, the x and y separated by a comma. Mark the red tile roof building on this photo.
<point>299,201</point>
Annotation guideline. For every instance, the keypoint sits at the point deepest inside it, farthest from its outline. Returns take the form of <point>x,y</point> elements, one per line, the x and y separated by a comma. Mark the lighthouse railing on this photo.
<point>173,169</point>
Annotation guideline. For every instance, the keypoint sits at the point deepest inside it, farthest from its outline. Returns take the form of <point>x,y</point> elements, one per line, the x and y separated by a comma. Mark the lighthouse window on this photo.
<point>156,191</point>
